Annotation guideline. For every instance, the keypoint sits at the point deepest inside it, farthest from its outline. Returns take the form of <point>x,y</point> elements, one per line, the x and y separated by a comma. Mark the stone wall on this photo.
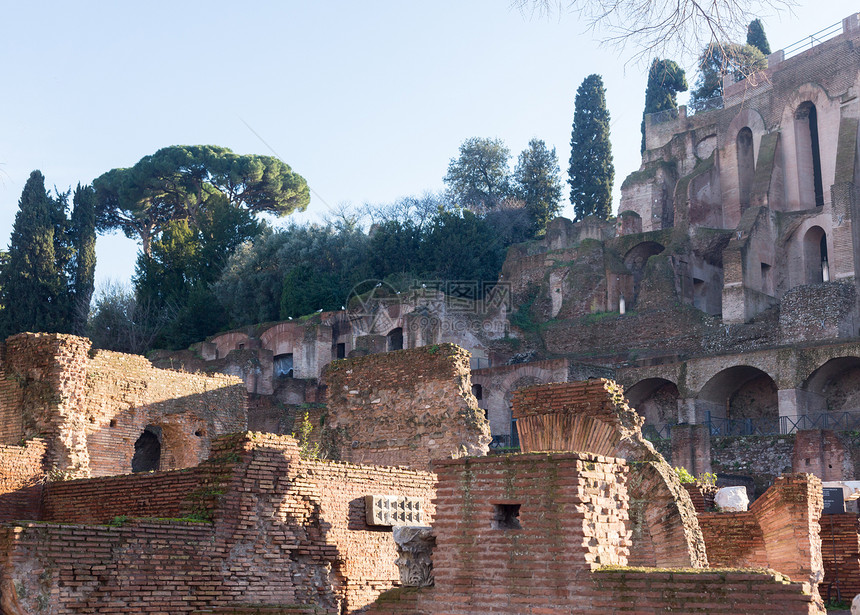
<point>281,530</point>
<point>91,407</point>
<point>407,407</point>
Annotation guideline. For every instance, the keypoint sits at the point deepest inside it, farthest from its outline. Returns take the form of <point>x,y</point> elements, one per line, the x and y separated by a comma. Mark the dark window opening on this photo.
<point>113,422</point>
<point>395,339</point>
<point>340,351</point>
<point>478,391</point>
<point>746,167</point>
<point>199,433</point>
<point>506,517</point>
<point>810,180</point>
<point>766,279</point>
<point>241,346</point>
<point>147,450</point>
<point>816,157</point>
<point>283,366</point>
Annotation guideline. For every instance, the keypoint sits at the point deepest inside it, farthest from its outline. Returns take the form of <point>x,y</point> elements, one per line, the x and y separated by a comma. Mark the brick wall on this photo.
<point>22,470</point>
<point>572,516</point>
<point>840,551</point>
<point>780,530</point>
<point>594,417</point>
<point>92,407</point>
<point>565,556</point>
<point>284,531</point>
<point>683,592</point>
<point>407,407</point>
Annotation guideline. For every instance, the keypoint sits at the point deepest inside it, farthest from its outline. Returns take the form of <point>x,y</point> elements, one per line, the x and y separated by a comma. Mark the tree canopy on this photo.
<point>738,61</point>
<point>479,178</point>
<point>665,80</point>
<point>591,172</point>
<point>175,182</point>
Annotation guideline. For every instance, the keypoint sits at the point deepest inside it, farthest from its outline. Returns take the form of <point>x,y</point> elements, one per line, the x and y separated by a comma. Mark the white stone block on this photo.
<point>732,499</point>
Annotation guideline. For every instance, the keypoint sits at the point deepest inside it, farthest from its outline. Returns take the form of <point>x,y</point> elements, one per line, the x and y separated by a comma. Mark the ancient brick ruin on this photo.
<point>735,253</point>
<point>407,407</point>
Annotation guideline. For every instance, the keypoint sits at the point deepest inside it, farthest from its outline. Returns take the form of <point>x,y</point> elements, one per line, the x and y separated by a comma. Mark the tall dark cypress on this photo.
<point>665,80</point>
<point>757,38</point>
<point>32,283</point>
<point>83,232</point>
<point>591,171</point>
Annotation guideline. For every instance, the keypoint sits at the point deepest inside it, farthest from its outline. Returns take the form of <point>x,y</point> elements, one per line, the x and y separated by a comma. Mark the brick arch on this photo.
<point>740,392</point>
<point>797,249</point>
<point>699,373</point>
<point>650,398</point>
<point>827,112</point>
<point>834,386</point>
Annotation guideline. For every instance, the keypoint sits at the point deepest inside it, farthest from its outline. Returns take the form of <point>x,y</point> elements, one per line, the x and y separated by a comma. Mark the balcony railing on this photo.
<point>812,40</point>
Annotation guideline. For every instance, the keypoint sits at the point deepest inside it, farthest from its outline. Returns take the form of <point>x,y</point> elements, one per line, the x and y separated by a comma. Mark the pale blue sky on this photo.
<point>368,101</point>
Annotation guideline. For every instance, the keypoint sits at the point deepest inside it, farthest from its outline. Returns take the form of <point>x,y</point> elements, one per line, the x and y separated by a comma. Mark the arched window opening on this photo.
<point>815,256</point>
<point>147,450</point>
<point>746,167</point>
<point>635,260</point>
<point>810,181</point>
<point>395,339</point>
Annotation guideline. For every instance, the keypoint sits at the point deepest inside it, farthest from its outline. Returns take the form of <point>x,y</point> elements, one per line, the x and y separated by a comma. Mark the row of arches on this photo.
<point>744,392</point>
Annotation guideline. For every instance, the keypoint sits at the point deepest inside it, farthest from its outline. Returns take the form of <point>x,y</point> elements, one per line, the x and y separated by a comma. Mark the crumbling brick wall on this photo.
<point>571,516</point>
<point>780,531</point>
<point>406,407</point>
<point>593,416</point>
<point>568,552</point>
<point>91,407</point>
<point>840,551</point>
<point>284,531</point>
<point>22,471</point>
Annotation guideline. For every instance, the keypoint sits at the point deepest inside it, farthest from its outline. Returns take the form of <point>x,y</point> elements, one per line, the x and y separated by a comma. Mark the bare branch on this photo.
<point>660,28</point>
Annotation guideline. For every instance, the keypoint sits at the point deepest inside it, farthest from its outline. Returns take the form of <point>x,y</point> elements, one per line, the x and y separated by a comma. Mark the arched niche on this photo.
<point>808,156</point>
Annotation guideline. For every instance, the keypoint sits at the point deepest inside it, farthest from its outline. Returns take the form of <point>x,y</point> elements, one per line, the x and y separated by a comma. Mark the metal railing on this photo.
<point>505,441</point>
<point>666,115</point>
<point>657,432</point>
<point>812,40</point>
<point>836,421</point>
<point>701,106</point>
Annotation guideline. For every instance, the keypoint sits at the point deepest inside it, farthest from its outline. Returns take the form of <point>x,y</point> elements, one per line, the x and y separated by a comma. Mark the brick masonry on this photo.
<point>779,531</point>
<point>593,416</point>
<point>91,407</point>
<point>407,407</point>
<point>569,552</point>
<point>283,530</point>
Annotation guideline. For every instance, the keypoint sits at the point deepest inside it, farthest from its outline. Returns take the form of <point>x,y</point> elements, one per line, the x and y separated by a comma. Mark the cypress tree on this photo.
<point>538,184</point>
<point>665,80</point>
<point>33,283</point>
<point>83,231</point>
<point>757,38</point>
<point>591,171</point>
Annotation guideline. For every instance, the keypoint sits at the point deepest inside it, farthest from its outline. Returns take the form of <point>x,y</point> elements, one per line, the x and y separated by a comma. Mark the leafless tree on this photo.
<point>660,28</point>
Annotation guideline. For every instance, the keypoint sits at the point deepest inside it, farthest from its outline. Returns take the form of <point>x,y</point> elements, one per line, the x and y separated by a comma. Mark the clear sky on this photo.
<point>367,100</point>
